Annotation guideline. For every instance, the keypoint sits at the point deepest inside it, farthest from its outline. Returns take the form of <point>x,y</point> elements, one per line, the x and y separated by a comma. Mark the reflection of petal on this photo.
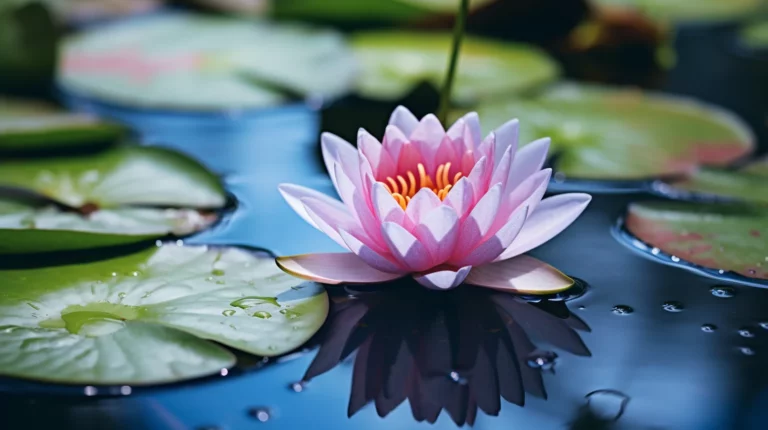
<point>394,392</point>
<point>338,332</point>
<point>484,382</point>
<point>357,398</point>
<point>507,368</point>
<point>532,381</point>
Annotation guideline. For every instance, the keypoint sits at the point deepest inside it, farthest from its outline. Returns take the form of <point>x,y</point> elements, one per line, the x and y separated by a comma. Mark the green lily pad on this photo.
<point>754,35</point>
<point>152,62</point>
<point>691,10</point>
<point>340,11</point>
<point>393,63</point>
<point>149,317</point>
<point>749,184</point>
<point>622,134</point>
<point>28,125</point>
<point>718,237</point>
<point>123,195</point>
<point>28,39</point>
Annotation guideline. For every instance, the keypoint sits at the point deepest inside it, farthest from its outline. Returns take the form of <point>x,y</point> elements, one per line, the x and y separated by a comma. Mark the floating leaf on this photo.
<point>691,10</point>
<point>749,184</point>
<point>719,237</point>
<point>28,125</point>
<point>621,134</point>
<point>341,11</point>
<point>146,318</point>
<point>95,200</point>
<point>395,62</point>
<point>754,35</point>
<point>28,40</point>
<point>229,63</point>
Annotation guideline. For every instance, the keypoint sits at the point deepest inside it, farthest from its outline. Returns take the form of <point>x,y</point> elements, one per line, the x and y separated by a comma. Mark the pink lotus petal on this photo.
<point>528,160</point>
<point>403,119</point>
<point>421,204</point>
<point>479,223</point>
<point>491,248</point>
<point>386,207</point>
<point>333,268</point>
<point>551,217</point>
<point>393,141</point>
<point>487,147</point>
<point>522,274</point>
<point>427,137</point>
<point>529,193</point>
<point>503,165</point>
<point>472,123</point>
<point>375,258</point>
<point>366,174</point>
<point>294,193</point>
<point>405,247</point>
<point>506,137</point>
<point>380,160</point>
<point>443,279</point>
<point>338,151</point>
<point>461,198</point>
<point>480,176</point>
<point>328,218</point>
<point>438,232</point>
<point>359,207</point>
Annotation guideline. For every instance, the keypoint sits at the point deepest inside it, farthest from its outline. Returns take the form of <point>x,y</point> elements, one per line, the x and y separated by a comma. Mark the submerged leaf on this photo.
<point>720,237</point>
<point>229,63</point>
<point>146,318</point>
<point>621,134</point>
<point>393,63</point>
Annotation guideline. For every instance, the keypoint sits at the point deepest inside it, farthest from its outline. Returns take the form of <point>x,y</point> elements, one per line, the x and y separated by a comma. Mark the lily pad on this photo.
<point>149,317</point>
<point>340,11</point>
<point>608,133</point>
<point>28,125</point>
<point>749,184</point>
<point>230,63</point>
<point>28,40</point>
<point>393,63</point>
<point>123,195</point>
<point>717,237</point>
<point>755,35</point>
<point>691,10</point>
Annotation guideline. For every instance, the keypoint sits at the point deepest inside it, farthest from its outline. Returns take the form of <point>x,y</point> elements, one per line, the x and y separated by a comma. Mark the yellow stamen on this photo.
<point>404,187</point>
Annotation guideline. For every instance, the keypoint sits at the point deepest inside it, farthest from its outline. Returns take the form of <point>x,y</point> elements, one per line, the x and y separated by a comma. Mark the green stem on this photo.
<point>458,35</point>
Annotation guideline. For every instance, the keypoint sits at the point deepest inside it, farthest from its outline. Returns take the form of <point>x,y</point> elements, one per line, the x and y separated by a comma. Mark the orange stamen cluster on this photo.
<point>403,188</point>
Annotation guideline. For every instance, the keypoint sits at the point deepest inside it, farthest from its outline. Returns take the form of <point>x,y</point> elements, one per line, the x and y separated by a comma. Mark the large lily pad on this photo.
<point>718,237</point>
<point>147,318</point>
<point>749,184</point>
<point>690,10</point>
<point>368,10</point>
<point>229,63</point>
<point>395,62</point>
<point>29,125</point>
<point>123,195</point>
<point>622,134</point>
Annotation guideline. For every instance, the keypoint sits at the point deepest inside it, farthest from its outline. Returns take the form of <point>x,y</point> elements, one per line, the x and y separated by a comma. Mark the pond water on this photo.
<point>646,346</point>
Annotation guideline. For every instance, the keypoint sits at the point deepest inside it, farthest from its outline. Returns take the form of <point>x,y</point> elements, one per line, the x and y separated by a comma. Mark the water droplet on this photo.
<point>752,271</point>
<point>763,325</point>
<point>126,390</point>
<point>224,372</point>
<point>263,315</point>
<point>675,259</point>
<point>158,243</point>
<point>622,310</point>
<point>544,360</point>
<point>723,292</point>
<point>655,251</point>
<point>228,312</point>
<point>745,332</point>
<point>251,301</point>
<point>747,350</point>
<point>260,413</point>
<point>289,314</point>
<point>90,391</point>
<point>209,279</point>
<point>581,308</point>
<point>179,242</point>
<point>92,323</point>
<point>298,386</point>
<point>121,295</point>
<point>114,274</point>
<point>672,306</point>
<point>147,294</point>
<point>708,328</point>
<point>457,378</point>
<point>134,273</point>
<point>721,271</point>
<point>607,405</point>
<point>217,272</point>
<point>33,306</point>
<point>560,177</point>
<point>220,282</point>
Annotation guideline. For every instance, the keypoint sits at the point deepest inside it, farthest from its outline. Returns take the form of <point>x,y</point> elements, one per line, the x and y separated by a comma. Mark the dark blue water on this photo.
<point>624,360</point>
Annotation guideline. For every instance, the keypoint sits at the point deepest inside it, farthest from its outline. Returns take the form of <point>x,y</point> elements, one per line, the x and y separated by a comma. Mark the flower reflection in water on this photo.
<point>460,350</point>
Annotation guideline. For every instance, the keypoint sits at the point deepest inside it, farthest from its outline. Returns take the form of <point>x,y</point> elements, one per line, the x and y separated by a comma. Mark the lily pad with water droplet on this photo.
<point>230,63</point>
<point>150,317</point>
<point>718,237</point>
<point>748,184</point>
<point>122,195</point>
<point>606,133</point>
<point>342,11</point>
<point>394,63</point>
<point>691,10</point>
<point>28,125</point>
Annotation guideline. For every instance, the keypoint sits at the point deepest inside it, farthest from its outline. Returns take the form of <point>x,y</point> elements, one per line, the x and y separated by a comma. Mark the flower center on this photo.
<point>403,188</point>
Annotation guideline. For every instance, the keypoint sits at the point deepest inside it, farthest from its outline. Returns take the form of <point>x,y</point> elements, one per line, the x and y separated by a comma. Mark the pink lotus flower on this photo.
<point>443,207</point>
